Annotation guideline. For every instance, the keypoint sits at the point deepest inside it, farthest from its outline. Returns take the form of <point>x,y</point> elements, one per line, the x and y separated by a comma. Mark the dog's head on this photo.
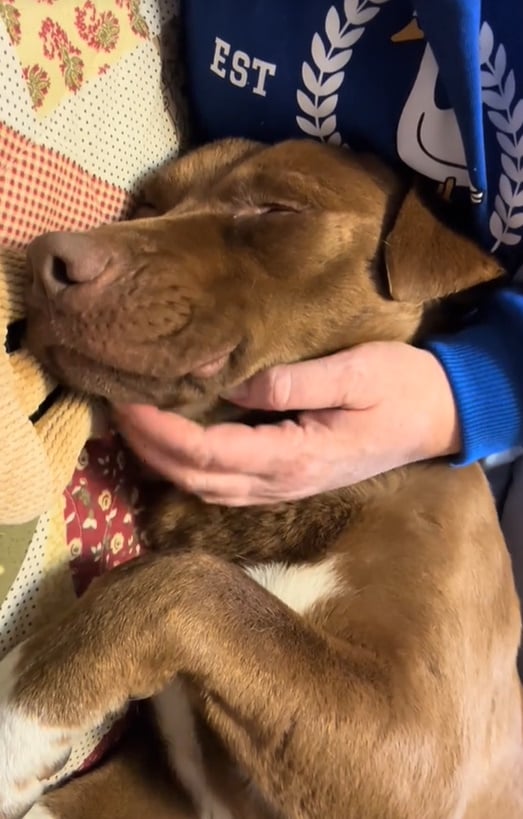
<point>251,256</point>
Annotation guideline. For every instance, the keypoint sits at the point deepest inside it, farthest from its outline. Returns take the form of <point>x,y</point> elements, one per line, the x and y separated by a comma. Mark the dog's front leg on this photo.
<point>310,719</point>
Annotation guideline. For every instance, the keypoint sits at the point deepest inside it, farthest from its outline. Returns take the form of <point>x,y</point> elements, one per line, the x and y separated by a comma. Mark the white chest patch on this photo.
<point>176,723</point>
<point>300,587</point>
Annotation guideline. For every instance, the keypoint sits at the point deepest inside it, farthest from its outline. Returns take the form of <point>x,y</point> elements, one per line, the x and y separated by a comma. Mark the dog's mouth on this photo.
<point>116,384</point>
<point>83,373</point>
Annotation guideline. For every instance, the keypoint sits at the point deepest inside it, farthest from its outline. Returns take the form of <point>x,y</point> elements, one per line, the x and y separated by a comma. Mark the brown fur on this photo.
<point>395,698</point>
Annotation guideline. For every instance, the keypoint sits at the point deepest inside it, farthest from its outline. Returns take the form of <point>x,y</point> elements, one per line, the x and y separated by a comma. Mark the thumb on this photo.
<point>338,380</point>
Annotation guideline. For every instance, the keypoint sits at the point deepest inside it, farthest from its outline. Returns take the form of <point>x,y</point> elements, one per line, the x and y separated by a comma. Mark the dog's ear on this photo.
<point>167,187</point>
<point>425,259</point>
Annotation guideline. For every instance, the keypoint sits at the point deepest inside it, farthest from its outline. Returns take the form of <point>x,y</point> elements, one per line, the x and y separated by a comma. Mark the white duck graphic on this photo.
<point>428,138</point>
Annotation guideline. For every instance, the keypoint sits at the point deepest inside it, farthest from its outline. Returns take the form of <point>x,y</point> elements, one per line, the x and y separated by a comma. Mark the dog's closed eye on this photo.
<point>279,207</point>
<point>265,208</point>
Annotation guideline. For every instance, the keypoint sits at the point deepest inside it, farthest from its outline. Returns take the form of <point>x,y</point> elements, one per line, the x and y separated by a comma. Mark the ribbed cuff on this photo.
<point>484,364</point>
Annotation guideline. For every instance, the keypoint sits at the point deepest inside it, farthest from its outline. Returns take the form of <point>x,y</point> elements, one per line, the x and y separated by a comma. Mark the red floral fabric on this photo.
<point>102,511</point>
<point>102,507</point>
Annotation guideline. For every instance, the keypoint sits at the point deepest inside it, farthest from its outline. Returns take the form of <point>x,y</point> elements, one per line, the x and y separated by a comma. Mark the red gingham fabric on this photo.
<point>41,190</point>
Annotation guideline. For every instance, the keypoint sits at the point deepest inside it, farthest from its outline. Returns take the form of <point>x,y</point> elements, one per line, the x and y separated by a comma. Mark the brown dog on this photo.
<point>351,656</point>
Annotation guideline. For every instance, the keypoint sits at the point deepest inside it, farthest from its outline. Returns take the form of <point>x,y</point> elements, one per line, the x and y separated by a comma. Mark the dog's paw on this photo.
<point>30,751</point>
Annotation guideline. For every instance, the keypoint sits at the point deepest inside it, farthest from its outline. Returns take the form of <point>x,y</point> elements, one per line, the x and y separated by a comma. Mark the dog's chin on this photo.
<point>83,374</point>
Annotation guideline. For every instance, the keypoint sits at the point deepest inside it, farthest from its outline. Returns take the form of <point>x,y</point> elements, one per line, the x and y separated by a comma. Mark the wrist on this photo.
<point>442,434</point>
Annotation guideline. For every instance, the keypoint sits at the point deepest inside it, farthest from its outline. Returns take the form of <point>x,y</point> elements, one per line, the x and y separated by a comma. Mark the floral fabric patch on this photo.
<point>62,44</point>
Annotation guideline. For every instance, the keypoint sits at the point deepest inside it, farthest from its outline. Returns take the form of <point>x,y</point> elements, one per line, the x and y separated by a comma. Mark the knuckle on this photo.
<point>279,387</point>
<point>292,441</point>
<point>356,374</point>
<point>199,455</point>
<point>192,482</point>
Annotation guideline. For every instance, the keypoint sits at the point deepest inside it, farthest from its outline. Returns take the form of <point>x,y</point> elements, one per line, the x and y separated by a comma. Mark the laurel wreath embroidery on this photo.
<point>498,92</point>
<point>323,76</point>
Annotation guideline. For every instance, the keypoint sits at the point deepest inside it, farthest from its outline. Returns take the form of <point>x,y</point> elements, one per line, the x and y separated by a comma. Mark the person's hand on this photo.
<point>363,411</point>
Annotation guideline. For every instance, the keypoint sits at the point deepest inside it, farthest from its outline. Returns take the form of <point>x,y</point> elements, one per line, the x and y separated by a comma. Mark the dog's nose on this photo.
<point>60,260</point>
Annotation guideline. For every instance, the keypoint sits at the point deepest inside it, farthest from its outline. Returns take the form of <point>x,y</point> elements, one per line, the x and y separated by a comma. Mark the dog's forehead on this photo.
<point>312,159</point>
<point>305,172</point>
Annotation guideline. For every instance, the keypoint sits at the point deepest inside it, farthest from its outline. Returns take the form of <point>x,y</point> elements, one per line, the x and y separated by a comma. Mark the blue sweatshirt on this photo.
<point>436,85</point>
